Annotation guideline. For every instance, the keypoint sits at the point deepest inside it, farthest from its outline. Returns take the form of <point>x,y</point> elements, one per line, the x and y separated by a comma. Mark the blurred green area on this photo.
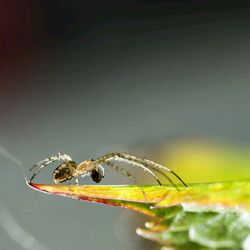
<point>199,160</point>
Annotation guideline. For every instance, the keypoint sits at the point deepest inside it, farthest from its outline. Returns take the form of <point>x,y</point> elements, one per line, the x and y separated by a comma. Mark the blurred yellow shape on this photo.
<point>198,160</point>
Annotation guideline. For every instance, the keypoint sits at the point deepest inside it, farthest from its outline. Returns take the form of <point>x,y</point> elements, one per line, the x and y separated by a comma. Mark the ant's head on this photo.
<point>63,172</point>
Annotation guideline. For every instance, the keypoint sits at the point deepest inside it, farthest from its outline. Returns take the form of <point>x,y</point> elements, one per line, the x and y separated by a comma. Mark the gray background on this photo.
<point>113,78</point>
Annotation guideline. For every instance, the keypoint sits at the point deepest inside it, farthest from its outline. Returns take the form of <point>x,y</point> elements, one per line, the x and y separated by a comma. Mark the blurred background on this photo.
<point>168,80</point>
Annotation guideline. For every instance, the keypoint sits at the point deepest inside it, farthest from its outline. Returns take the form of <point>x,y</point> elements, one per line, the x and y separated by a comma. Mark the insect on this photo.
<point>69,169</point>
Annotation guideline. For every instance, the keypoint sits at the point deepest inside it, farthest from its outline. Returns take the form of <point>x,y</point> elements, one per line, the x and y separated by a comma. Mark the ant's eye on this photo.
<point>96,176</point>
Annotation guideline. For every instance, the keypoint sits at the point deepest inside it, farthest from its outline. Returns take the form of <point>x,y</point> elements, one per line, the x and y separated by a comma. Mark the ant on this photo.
<point>69,169</point>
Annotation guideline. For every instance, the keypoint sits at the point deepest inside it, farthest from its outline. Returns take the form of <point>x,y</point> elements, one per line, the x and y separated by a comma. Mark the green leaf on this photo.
<point>198,229</point>
<point>226,194</point>
<point>202,216</point>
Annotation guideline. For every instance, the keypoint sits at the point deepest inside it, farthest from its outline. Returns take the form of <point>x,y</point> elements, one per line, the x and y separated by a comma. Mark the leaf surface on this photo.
<point>202,216</point>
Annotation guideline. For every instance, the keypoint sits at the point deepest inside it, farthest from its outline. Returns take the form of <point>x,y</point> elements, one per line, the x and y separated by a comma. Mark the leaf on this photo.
<point>227,194</point>
<point>202,216</point>
<point>132,197</point>
<point>196,229</point>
